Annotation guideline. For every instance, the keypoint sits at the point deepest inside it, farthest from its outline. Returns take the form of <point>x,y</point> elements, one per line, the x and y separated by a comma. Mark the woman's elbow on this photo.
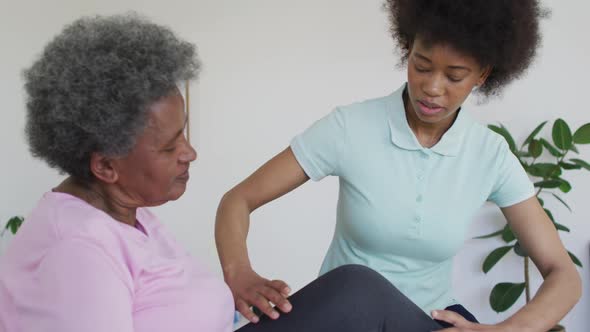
<point>577,285</point>
<point>572,280</point>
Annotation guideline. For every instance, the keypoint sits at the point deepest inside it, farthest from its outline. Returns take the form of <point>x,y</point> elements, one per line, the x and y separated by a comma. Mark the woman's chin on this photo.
<point>177,192</point>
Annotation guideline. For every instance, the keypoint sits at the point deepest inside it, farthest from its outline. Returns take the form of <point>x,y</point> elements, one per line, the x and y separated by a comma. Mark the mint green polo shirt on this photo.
<point>403,210</point>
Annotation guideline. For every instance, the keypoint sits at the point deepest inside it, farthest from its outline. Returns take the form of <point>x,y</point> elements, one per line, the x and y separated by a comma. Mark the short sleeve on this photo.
<point>319,148</point>
<point>79,289</point>
<point>512,184</point>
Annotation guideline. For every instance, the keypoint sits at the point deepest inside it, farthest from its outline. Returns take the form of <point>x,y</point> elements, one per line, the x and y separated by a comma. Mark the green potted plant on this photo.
<point>549,182</point>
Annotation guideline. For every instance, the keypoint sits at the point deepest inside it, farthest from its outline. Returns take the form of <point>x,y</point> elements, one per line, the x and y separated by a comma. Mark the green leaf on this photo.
<point>582,135</point>
<point>487,236</point>
<point>581,163</point>
<point>544,170</point>
<point>534,133</point>
<point>548,184</point>
<point>507,234</point>
<point>522,154</point>
<point>561,227</point>
<point>574,148</point>
<point>569,166</point>
<point>535,148</point>
<point>562,201</point>
<point>565,186</point>
<point>13,228</point>
<point>554,152</point>
<point>14,224</point>
<point>519,250</point>
<point>504,295</point>
<point>504,132</point>
<point>549,214</point>
<point>575,259</point>
<point>562,135</point>
<point>541,201</point>
<point>494,257</point>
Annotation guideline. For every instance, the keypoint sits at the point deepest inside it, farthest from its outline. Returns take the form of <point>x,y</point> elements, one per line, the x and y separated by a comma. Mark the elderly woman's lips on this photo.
<point>184,176</point>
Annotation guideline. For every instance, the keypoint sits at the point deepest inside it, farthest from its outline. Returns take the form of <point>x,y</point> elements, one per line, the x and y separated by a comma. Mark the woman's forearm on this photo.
<point>231,230</point>
<point>272,180</point>
<point>558,294</point>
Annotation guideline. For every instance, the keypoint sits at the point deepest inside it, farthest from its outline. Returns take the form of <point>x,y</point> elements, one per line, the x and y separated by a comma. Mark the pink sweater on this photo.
<point>73,268</point>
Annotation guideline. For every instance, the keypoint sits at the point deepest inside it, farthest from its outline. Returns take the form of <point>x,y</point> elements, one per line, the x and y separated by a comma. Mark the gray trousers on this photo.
<point>351,298</point>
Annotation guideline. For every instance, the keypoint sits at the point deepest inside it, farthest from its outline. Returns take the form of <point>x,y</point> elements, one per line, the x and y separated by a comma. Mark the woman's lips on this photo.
<point>429,108</point>
<point>184,176</point>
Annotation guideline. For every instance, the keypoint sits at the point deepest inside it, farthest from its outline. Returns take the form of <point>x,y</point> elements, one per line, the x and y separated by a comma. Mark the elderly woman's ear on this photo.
<point>102,168</point>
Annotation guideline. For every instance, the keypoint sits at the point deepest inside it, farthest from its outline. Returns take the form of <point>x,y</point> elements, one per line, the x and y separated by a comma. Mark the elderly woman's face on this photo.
<point>157,169</point>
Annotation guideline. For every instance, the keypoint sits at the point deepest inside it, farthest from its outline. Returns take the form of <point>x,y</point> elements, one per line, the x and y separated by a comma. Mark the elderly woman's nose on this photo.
<point>189,154</point>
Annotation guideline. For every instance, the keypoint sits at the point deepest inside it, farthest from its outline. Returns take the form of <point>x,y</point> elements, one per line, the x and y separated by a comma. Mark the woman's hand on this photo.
<point>250,289</point>
<point>460,324</point>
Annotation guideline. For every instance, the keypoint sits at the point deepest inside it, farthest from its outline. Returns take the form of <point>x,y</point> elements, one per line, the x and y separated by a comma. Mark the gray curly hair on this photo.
<point>91,87</point>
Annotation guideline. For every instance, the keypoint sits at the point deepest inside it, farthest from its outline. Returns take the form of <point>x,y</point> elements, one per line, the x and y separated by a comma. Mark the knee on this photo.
<point>363,279</point>
<point>357,273</point>
<point>366,289</point>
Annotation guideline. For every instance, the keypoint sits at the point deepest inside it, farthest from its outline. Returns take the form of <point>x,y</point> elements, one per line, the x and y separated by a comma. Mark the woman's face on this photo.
<point>157,168</point>
<point>439,80</point>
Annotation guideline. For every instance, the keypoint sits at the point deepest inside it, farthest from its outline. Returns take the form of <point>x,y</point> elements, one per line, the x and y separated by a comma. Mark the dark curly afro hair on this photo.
<point>503,34</point>
<point>91,88</point>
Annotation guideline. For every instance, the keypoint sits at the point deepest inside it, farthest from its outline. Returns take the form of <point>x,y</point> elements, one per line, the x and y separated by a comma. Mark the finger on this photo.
<point>276,298</point>
<point>244,309</point>
<point>280,287</point>
<point>261,303</point>
<point>450,317</point>
<point>450,329</point>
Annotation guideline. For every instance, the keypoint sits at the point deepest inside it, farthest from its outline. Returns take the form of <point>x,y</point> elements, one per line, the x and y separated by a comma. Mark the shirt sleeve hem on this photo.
<point>515,199</point>
<point>306,163</point>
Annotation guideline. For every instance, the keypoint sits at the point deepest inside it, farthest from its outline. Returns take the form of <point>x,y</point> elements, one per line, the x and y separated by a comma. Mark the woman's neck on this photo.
<point>100,197</point>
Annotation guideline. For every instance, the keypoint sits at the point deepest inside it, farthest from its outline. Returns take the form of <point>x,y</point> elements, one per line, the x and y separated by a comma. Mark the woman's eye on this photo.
<point>421,69</point>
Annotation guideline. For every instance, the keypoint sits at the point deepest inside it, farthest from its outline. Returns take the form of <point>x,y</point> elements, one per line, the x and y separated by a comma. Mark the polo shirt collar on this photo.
<point>403,136</point>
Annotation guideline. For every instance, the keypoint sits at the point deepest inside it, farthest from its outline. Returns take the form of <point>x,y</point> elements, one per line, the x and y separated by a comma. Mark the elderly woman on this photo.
<point>104,108</point>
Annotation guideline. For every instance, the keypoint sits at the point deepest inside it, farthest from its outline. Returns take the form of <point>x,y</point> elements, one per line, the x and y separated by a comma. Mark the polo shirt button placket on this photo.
<point>417,226</point>
<point>424,156</point>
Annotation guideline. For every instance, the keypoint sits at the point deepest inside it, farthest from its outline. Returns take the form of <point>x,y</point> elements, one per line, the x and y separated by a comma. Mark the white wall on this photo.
<point>271,68</point>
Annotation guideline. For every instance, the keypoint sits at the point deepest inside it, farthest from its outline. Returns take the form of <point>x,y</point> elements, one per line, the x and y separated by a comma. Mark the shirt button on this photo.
<point>420,176</point>
<point>419,198</point>
<point>418,219</point>
<point>424,156</point>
